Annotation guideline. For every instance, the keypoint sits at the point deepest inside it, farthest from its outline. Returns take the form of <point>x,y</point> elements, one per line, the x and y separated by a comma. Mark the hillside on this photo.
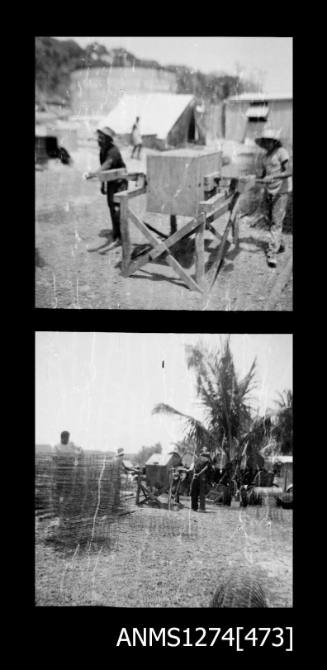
<point>56,59</point>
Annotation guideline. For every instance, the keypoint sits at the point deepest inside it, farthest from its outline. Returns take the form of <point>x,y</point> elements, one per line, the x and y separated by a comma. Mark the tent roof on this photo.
<point>158,113</point>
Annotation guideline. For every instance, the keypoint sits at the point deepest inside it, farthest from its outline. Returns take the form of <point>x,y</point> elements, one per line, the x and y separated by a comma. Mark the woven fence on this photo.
<point>82,494</point>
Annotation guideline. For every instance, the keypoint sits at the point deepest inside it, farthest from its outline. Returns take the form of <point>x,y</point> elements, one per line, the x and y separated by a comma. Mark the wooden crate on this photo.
<point>175,179</point>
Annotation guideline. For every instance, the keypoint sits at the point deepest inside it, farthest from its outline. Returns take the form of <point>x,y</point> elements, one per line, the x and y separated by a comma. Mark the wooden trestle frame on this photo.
<point>217,200</point>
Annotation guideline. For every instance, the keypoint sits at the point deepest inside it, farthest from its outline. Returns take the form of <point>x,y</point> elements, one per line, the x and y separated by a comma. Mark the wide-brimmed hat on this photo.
<point>106,131</point>
<point>120,452</point>
<point>268,134</point>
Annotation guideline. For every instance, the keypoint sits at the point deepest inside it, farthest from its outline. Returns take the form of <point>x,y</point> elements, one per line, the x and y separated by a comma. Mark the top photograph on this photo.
<point>163,173</point>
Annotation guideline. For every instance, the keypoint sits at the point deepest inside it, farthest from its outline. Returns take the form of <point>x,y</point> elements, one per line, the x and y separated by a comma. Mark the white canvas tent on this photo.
<point>166,119</point>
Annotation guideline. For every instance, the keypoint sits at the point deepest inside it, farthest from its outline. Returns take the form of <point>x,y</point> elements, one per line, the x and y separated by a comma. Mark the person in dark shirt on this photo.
<point>202,470</point>
<point>110,159</point>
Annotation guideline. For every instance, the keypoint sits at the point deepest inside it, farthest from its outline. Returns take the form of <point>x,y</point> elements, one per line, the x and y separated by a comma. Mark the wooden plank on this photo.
<point>183,275</point>
<point>222,209</point>
<point>213,230</point>
<point>142,228</point>
<point>158,232</point>
<point>131,194</point>
<point>124,231</point>
<point>112,175</point>
<point>134,176</point>
<point>163,248</point>
<point>199,251</point>
<point>208,206</point>
<point>215,267</point>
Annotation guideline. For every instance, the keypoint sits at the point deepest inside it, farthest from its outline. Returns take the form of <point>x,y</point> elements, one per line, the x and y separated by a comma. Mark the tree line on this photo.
<point>56,59</point>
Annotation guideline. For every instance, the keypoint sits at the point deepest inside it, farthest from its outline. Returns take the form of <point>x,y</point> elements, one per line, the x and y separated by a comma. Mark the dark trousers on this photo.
<point>112,188</point>
<point>198,490</point>
<point>136,148</point>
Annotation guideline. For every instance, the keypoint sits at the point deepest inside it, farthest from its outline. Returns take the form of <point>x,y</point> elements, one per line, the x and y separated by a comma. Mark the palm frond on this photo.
<point>195,427</point>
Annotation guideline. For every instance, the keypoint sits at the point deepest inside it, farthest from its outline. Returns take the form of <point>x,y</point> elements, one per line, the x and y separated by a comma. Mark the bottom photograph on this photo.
<point>163,470</point>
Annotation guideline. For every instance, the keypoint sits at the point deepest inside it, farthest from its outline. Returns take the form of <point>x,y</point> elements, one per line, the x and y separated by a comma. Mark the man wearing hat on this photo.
<point>121,463</point>
<point>275,164</point>
<point>202,470</point>
<point>110,159</point>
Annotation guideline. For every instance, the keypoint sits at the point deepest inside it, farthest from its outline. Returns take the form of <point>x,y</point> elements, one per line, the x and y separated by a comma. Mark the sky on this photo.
<point>269,58</point>
<point>102,387</point>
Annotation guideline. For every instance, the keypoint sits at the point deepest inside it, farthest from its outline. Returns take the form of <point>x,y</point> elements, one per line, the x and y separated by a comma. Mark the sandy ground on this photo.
<point>74,270</point>
<point>159,558</point>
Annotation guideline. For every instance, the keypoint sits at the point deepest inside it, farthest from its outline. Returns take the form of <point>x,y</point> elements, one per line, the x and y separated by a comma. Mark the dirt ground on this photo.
<point>160,558</point>
<point>74,270</point>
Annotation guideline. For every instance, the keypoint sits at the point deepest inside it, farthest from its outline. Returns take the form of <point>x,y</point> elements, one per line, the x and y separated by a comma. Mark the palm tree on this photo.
<point>256,442</point>
<point>283,431</point>
<point>224,395</point>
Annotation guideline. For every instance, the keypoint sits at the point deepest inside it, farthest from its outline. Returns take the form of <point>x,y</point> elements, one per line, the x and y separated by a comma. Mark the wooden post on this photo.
<point>124,231</point>
<point>173,223</point>
<point>138,489</point>
<point>199,251</point>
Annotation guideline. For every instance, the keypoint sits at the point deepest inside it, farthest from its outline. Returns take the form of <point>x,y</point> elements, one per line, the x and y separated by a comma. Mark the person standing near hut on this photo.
<point>136,139</point>
<point>202,469</point>
<point>274,166</point>
<point>110,159</point>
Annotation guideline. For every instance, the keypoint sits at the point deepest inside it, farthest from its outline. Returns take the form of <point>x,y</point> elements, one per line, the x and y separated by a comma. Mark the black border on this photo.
<point>101,625</point>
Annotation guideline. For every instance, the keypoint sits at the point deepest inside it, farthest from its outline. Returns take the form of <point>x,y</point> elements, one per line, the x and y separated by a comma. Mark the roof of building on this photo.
<point>280,459</point>
<point>161,459</point>
<point>158,113</point>
<point>249,97</point>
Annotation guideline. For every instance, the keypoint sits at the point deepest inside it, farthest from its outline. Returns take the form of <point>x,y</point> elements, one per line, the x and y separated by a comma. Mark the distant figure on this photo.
<point>275,163</point>
<point>110,159</point>
<point>202,469</point>
<point>67,448</point>
<point>64,476</point>
<point>136,139</point>
<point>120,461</point>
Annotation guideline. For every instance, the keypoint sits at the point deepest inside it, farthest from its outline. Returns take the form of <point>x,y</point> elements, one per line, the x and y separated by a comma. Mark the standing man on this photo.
<point>110,159</point>
<point>136,139</point>
<point>66,458</point>
<point>202,469</point>
<point>274,163</point>
<point>67,448</point>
